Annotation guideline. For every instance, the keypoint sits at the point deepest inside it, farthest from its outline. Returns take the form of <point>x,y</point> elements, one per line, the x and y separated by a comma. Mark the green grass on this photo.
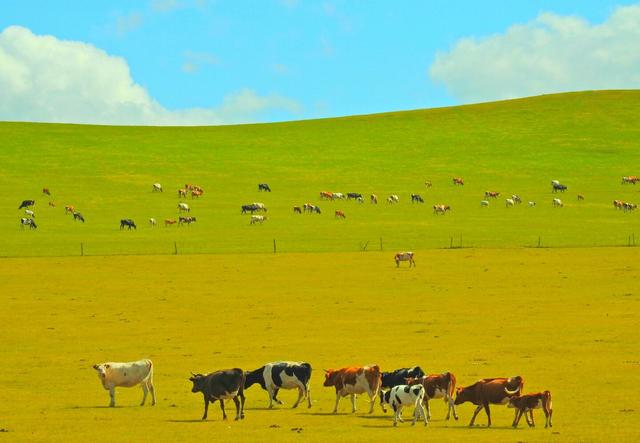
<point>564,319</point>
<point>587,140</point>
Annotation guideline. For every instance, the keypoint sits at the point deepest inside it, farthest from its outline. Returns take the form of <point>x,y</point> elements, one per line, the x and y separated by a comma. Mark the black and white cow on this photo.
<point>282,375</point>
<point>397,377</point>
<point>250,208</point>
<point>558,187</point>
<point>78,216</point>
<point>416,198</point>
<point>227,384</point>
<point>128,223</point>
<point>28,222</point>
<point>264,187</point>
<point>353,196</point>
<point>26,203</point>
<point>401,396</point>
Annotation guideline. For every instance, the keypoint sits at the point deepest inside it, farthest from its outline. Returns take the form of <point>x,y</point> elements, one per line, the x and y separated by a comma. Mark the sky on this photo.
<point>203,62</point>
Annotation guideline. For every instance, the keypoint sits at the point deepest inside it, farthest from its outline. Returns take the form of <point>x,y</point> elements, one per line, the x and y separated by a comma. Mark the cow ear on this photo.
<point>95,367</point>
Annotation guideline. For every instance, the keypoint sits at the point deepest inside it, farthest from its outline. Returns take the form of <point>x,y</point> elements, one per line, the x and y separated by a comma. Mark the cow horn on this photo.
<point>325,371</point>
<point>512,392</point>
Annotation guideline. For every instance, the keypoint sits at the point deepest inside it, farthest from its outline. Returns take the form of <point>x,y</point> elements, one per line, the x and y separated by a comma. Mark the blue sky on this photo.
<point>269,60</point>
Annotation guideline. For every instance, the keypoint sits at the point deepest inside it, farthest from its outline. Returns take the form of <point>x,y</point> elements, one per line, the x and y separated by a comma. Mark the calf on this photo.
<point>221,385</point>
<point>352,381</point>
<point>404,395</point>
<point>127,374</point>
<point>437,386</point>
<point>529,402</point>
<point>488,391</point>
<point>282,375</point>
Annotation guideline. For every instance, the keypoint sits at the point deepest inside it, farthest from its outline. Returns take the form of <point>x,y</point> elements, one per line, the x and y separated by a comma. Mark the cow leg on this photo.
<point>335,409</point>
<point>237,402</point>
<point>112,395</point>
<point>242,399</point>
<point>300,396</point>
<point>206,407</point>
<point>145,390</point>
<point>486,408</point>
<point>420,412</point>
<point>452,406</point>
<point>271,395</point>
<point>426,403</point>
<point>516,418</point>
<point>308,394</point>
<point>275,395</point>
<point>475,413</point>
<point>224,414</point>
<point>395,414</point>
<point>532,423</point>
<point>153,392</point>
<point>353,403</point>
<point>400,414</point>
<point>550,416</point>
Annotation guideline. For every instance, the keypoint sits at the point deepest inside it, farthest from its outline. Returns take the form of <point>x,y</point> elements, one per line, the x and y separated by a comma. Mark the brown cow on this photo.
<point>529,402</point>
<point>458,181</point>
<point>488,391</point>
<point>169,221</point>
<point>340,214</point>
<point>491,194</point>
<point>69,209</point>
<point>195,193</point>
<point>325,195</point>
<point>182,192</point>
<point>437,386</point>
<point>352,381</point>
<point>298,210</point>
<point>46,191</point>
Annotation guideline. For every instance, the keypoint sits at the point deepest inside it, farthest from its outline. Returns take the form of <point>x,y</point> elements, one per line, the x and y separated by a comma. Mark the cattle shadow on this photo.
<point>102,407</point>
<point>193,420</point>
<point>326,414</point>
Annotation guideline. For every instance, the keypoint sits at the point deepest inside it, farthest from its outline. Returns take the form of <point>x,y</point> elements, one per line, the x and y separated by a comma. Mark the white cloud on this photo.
<point>127,23</point>
<point>46,79</point>
<point>552,53</point>
<point>194,60</point>
<point>164,5</point>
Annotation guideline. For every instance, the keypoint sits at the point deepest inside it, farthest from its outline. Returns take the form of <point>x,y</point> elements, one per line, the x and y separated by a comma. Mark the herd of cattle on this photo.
<point>251,208</point>
<point>405,387</point>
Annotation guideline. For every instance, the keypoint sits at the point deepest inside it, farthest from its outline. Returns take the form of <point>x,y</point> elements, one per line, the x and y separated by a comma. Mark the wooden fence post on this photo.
<point>175,248</point>
<point>274,245</point>
<point>381,244</point>
<point>82,249</point>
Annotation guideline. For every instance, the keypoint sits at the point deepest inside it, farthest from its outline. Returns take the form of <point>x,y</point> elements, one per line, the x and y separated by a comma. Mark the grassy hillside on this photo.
<point>587,140</point>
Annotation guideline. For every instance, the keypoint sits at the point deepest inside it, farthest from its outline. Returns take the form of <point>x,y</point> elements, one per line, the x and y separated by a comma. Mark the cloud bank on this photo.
<point>46,79</point>
<point>552,53</point>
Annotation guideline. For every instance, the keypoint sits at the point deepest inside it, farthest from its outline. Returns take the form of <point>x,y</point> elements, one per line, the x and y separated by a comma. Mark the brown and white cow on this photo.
<point>127,375</point>
<point>404,256</point>
<point>340,214</point>
<point>69,209</point>
<point>458,181</point>
<point>353,381</point>
<point>491,194</point>
<point>437,386</point>
<point>529,402</point>
<point>496,391</point>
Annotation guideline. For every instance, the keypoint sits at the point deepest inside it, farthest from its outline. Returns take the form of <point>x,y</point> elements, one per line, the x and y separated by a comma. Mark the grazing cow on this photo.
<point>195,193</point>
<point>182,207</point>
<point>352,381</point>
<point>260,206</point>
<point>152,222</point>
<point>458,181</point>
<point>393,198</point>
<point>631,179</point>
<point>188,220</point>
<point>373,199</point>
<point>437,386</point>
<point>340,214</point>
<point>353,196</point>
<point>559,187</point>
<point>391,379</point>
<point>441,209</point>
<point>529,402</point>
<point>249,208</point>
<point>516,198</point>
<point>428,184</point>
<point>52,204</point>
<point>404,256</point>
<point>257,219</point>
<point>227,384</point>
<point>338,196</point>
<point>404,395</point>
<point>26,203</point>
<point>618,204</point>
<point>169,221</point>
<point>416,198</point>
<point>28,222</point>
<point>297,210</point>
<point>69,209</point>
<point>580,197</point>
<point>491,194</point>
<point>626,206</point>
<point>484,203</point>
<point>264,187</point>
<point>532,204</point>
<point>157,187</point>
<point>555,182</point>
<point>78,216</point>
<point>308,207</point>
<point>182,192</point>
<point>509,202</point>
<point>46,191</point>
<point>360,200</point>
<point>488,391</point>
<point>30,213</point>
<point>282,375</point>
<point>127,375</point>
<point>557,203</point>
<point>128,223</point>
<point>325,195</point>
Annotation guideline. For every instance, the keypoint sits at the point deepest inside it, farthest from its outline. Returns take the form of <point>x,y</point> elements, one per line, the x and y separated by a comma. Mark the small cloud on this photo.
<point>164,5</point>
<point>280,69</point>
<point>194,60</point>
<point>127,23</point>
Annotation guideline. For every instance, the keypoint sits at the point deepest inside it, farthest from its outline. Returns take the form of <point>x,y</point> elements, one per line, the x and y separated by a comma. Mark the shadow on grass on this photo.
<point>195,420</point>
<point>103,407</point>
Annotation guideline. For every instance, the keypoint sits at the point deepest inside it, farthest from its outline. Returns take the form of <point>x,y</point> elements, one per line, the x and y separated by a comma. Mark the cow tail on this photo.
<point>452,385</point>
<point>547,397</point>
<point>149,376</point>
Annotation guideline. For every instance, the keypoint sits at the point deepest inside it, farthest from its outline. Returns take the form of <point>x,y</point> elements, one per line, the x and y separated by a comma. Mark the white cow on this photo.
<point>127,374</point>
<point>152,222</point>
<point>393,198</point>
<point>557,203</point>
<point>404,256</point>
<point>404,395</point>
<point>532,204</point>
<point>157,187</point>
<point>257,219</point>
<point>338,196</point>
<point>509,202</point>
<point>260,206</point>
<point>30,213</point>
<point>183,207</point>
<point>516,198</point>
<point>484,203</point>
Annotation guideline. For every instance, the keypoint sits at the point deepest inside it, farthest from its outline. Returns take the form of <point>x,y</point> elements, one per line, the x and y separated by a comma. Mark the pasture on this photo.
<point>564,319</point>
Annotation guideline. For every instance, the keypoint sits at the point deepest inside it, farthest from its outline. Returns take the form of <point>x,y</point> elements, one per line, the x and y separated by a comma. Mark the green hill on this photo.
<point>586,140</point>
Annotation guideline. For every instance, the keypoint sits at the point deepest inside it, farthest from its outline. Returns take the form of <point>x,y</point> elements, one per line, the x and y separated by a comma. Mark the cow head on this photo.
<point>198,381</point>
<point>102,370</point>
<point>413,380</point>
<point>463,395</point>
<point>517,383</point>
<point>330,377</point>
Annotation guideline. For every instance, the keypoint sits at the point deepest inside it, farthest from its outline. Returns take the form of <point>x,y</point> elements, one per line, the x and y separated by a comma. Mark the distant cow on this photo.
<point>532,204</point>
<point>428,184</point>
<point>352,381</point>
<point>69,209</point>
<point>249,208</point>
<point>438,386</point>
<point>28,222</point>
<point>157,187</point>
<point>282,375</point>
<point>52,204</point>
<point>373,199</point>
<point>257,219</point>
<point>404,256</point>
<point>393,198</point>
<point>338,196</point>
<point>127,375</point>
<point>78,216</point>
<point>353,196</point>
<point>264,187</point>
<point>631,179</point>
<point>529,402</point>
<point>182,192</point>
<point>401,396</point>
<point>297,210</point>
<point>516,198</point>
<point>509,202</point>
<point>484,203</point>
<point>227,384</point>
<point>128,223</point>
<point>458,181</point>
<point>558,187</point>
<point>260,206</point>
<point>195,193</point>
<point>183,207</point>
<point>399,377</point>
<point>441,209</point>
<point>416,198</point>
<point>26,203</point>
<point>557,203</point>
<point>169,221</point>
<point>30,213</point>
<point>308,207</point>
<point>186,220</point>
<point>340,214</point>
<point>627,206</point>
<point>46,191</point>
<point>491,194</point>
<point>580,197</point>
<point>325,195</point>
<point>488,391</point>
<point>153,222</point>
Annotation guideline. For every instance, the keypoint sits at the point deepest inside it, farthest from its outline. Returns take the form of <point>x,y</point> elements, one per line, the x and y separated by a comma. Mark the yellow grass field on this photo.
<point>567,320</point>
